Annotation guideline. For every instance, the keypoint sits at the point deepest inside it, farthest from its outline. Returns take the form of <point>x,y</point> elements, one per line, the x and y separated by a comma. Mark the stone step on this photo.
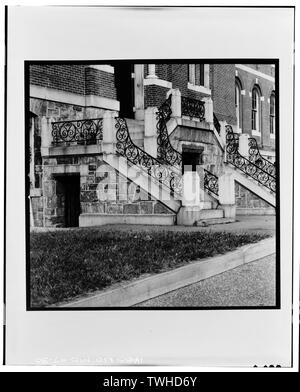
<point>207,205</point>
<point>211,214</point>
<point>189,216</point>
<point>95,219</point>
<point>135,127</point>
<point>215,221</point>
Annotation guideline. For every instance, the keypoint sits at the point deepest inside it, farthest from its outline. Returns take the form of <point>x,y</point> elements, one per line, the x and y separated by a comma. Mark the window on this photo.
<point>201,74</point>
<point>238,103</point>
<point>192,74</point>
<point>196,74</point>
<point>272,113</point>
<point>256,109</point>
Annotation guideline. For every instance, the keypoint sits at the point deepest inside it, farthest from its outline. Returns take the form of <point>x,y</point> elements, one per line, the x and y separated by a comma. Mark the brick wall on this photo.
<point>222,82</point>
<point>154,95</point>
<point>177,74</point>
<point>264,68</point>
<point>70,78</point>
<point>248,80</point>
<point>180,80</point>
<point>78,79</point>
<point>164,71</point>
<point>100,83</point>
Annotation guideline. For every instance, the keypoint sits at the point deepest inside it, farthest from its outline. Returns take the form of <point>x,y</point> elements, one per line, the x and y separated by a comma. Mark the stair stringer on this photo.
<point>156,189</point>
<point>253,186</point>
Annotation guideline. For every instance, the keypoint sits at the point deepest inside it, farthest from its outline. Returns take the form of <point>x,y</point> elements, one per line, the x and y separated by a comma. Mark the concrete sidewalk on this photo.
<point>244,223</point>
<point>252,284</point>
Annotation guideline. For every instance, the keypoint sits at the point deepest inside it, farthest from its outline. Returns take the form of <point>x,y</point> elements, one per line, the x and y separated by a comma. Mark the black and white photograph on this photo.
<point>152,184</point>
<point>149,188</point>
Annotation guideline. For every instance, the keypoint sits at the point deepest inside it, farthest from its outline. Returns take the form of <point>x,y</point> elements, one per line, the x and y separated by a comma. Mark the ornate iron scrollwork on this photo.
<point>165,151</point>
<point>192,108</point>
<point>256,166</point>
<point>162,173</point>
<point>258,160</point>
<point>211,182</point>
<point>84,132</point>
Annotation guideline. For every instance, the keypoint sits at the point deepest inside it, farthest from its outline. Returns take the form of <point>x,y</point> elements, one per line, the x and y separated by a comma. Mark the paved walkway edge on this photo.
<point>142,289</point>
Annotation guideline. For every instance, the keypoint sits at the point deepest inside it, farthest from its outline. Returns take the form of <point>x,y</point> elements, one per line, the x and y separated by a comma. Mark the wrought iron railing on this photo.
<point>253,167</point>
<point>256,158</point>
<point>162,173</point>
<point>166,153</point>
<point>211,182</point>
<point>217,125</point>
<point>192,108</point>
<point>82,132</point>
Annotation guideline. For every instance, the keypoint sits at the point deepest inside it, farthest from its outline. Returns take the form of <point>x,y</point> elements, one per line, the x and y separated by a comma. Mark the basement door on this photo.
<point>70,191</point>
<point>191,158</point>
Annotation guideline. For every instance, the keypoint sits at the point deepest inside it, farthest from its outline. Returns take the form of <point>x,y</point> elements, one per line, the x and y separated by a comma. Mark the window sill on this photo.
<point>199,89</point>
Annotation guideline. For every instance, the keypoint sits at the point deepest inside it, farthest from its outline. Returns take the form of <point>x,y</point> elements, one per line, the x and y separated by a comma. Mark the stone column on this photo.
<point>109,132</point>
<point>244,145</point>
<point>223,131</point>
<point>192,199</point>
<point>46,135</point>
<point>191,190</point>
<point>151,72</point>
<point>175,102</point>
<point>209,111</point>
<point>150,140</point>
<point>227,195</point>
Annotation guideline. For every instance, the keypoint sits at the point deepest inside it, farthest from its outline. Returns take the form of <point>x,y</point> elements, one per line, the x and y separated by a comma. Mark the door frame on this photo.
<point>60,177</point>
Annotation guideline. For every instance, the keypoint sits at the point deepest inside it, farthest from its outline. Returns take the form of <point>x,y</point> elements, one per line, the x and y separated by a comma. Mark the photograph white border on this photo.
<point>33,330</point>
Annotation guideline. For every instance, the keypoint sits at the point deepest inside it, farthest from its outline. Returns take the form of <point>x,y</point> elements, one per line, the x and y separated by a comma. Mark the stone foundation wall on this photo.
<point>62,111</point>
<point>247,202</point>
<point>102,190</point>
<point>213,155</point>
<point>36,211</point>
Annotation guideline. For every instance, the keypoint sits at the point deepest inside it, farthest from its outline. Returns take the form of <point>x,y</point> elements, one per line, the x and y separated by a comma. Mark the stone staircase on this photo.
<point>122,144</point>
<point>249,168</point>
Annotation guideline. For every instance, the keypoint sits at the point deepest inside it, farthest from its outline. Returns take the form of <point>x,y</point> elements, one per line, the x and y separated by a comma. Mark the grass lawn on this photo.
<point>65,264</point>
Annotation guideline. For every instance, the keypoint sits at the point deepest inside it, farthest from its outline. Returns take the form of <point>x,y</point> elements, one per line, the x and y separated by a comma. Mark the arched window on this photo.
<point>238,103</point>
<point>256,109</point>
<point>272,114</point>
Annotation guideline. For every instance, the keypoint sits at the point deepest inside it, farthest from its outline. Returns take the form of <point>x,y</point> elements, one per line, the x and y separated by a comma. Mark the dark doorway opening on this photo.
<point>68,191</point>
<point>125,89</point>
<point>190,160</point>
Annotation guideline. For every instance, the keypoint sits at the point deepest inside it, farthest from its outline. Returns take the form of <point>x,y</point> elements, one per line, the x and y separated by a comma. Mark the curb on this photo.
<point>142,289</point>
